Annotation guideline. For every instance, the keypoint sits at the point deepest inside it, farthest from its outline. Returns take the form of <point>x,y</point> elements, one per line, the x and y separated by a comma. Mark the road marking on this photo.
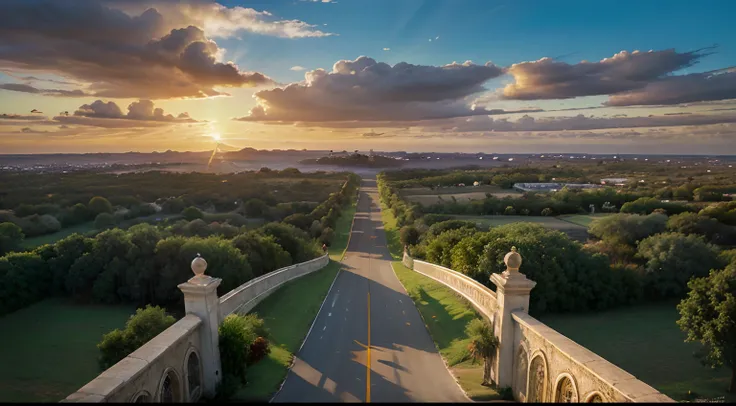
<point>368,364</point>
<point>335,299</point>
<point>325,327</point>
<point>329,314</point>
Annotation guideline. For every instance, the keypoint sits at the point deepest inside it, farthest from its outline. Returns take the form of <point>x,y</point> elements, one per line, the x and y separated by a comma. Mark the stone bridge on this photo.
<point>537,362</point>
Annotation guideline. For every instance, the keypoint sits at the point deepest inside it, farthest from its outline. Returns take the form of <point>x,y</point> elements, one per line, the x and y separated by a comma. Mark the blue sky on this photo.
<point>114,71</point>
<point>504,32</point>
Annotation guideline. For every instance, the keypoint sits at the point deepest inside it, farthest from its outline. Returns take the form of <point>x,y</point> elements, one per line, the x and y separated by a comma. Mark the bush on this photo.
<point>192,213</point>
<point>646,205</point>
<point>99,205</point>
<point>258,350</point>
<point>104,220</point>
<point>235,339</point>
<point>140,328</point>
<point>509,211</point>
<point>11,237</point>
<point>547,212</point>
<point>672,259</point>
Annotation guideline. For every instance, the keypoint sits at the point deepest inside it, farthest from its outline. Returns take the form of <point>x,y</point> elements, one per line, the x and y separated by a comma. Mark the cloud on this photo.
<point>625,71</point>
<point>119,55</point>
<point>696,87</point>
<point>18,117</point>
<point>29,130</point>
<point>19,87</point>
<point>297,68</point>
<point>367,90</point>
<point>581,122</point>
<point>220,21</point>
<point>110,115</point>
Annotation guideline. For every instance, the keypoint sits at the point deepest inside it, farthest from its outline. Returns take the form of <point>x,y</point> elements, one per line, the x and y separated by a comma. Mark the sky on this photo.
<point>506,76</point>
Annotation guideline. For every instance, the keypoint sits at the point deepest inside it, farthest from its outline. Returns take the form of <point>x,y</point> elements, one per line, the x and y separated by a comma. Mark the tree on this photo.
<point>140,328</point>
<point>483,345</point>
<point>713,230</point>
<point>255,208</point>
<point>627,228</point>
<point>11,237</point>
<point>99,205</point>
<point>708,315</point>
<point>672,259</point>
<point>104,220</point>
<point>192,213</point>
<point>327,235</point>
<point>409,235</point>
<point>509,211</point>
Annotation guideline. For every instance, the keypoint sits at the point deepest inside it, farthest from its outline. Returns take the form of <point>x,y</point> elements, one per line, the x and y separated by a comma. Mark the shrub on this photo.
<point>509,211</point>
<point>235,339</point>
<point>11,237</point>
<point>258,350</point>
<point>104,220</point>
<point>140,328</point>
<point>192,213</point>
<point>547,211</point>
<point>99,205</point>
<point>409,235</point>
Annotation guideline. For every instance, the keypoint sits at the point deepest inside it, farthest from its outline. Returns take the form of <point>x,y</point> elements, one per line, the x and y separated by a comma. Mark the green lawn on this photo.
<point>49,350</point>
<point>392,233</point>
<point>582,219</point>
<point>342,231</point>
<point>33,242</point>
<point>645,341</point>
<point>446,314</point>
<point>288,313</point>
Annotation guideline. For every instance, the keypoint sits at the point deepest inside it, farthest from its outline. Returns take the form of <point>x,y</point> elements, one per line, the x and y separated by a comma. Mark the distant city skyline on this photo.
<point>628,77</point>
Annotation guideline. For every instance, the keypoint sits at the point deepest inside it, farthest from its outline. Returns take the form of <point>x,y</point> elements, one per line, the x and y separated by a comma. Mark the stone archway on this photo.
<point>594,397</point>
<point>537,379</point>
<point>566,390</point>
<point>193,369</point>
<point>521,372</point>
<point>142,397</point>
<point>169,390</point>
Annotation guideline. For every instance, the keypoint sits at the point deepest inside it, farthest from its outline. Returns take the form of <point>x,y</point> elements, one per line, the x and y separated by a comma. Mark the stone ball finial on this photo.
<point>512,260</point>
<point>199,265</point>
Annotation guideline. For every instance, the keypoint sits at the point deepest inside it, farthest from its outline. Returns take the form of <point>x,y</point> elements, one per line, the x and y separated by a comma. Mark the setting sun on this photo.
<point>216,136</point>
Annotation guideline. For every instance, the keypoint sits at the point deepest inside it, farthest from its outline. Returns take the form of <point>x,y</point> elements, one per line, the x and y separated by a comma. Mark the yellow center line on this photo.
<point>368,364</point>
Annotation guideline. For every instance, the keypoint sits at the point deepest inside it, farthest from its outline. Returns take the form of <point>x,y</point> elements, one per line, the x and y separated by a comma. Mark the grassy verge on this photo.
<point>446,314</point>
<point>49,349</point>
<point>288,314</point>
<point>582,219</point>
<point>645,341</point>
<point>391,228</point>
<point>342,231</point>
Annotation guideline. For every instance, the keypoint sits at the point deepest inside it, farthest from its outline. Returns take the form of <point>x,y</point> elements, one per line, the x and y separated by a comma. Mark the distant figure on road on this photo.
<point>324,248</point>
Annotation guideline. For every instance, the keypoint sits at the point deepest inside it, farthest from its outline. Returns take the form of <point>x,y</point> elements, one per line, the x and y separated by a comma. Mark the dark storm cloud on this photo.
<point>23,88</point>
<point>625,71</point>
<point>114,52</point>
<point>366,90</point>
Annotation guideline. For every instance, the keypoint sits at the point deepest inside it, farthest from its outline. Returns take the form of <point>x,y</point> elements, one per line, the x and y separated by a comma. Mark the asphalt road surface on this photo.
<point>368,306</point>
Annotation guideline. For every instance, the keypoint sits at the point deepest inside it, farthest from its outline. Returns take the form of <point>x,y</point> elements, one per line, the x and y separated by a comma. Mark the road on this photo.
<point>368,306</point>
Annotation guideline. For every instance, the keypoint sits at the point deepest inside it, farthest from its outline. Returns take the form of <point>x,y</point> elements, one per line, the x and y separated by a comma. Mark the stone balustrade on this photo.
<point>183,362</point>
<point>537,362</point>
<point>246,296</point>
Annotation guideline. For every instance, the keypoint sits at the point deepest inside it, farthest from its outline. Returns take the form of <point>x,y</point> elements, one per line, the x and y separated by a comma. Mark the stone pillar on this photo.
<point>200,298</point>
<point>512,294</point>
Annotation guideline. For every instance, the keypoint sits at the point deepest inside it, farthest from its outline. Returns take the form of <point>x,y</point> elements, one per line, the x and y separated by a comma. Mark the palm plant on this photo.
<point>483,345</point>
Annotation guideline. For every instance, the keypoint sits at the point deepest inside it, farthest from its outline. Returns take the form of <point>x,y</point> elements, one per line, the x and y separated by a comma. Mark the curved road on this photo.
<point>368,306</point>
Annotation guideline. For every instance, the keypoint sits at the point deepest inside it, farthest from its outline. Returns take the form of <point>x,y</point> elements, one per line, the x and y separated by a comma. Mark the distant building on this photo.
<point>552,187</point>
<point>476,183</point>
<point>614,181</point>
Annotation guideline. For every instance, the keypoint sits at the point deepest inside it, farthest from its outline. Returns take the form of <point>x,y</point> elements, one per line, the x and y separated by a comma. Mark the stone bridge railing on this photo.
<point>183,362</point>
<point>537,362</point>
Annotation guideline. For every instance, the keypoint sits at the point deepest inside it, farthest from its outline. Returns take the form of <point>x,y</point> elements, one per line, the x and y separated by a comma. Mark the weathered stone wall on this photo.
<point>571,372</point>
<point>141,375</point>
<point>482,298</point>
<point>246,296</point>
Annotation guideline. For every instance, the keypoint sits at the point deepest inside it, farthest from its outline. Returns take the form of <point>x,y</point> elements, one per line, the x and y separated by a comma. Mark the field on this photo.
<point>446,314</point>
<point>646,342</point>
<point>574,231</point>
<point>426,196</point>
<point>342,231</point>
<point>582,219</point>
<point>33,242</point>
<point>48,350</point>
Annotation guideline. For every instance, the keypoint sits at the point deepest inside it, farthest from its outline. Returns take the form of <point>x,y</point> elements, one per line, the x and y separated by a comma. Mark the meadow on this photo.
<point>427,196</point>
<point>49,350</point>
<point>574,231</point>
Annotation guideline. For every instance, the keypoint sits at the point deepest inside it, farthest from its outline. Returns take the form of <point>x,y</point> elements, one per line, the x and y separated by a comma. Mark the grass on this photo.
<point>582,219</point>
<point>342,231</point>
<point>446,314</point>
<point>33,242</point>
<point>391,228</point>
<point>49,350</point>
<point>288,313</point>
<point>645,341</point>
